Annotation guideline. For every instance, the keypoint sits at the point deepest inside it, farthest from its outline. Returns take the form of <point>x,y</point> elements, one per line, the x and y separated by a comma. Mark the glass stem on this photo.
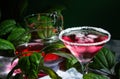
<point>84,67</point>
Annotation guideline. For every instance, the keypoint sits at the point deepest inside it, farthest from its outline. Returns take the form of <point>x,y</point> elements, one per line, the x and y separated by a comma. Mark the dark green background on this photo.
<point>99,13</point>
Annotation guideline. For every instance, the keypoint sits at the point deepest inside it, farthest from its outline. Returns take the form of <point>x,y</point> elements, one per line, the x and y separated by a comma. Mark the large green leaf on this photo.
<point>53,47</point>
<point>51,73</point>
<point>6,45</point>
<point>94,76</point>
<point>24,64</point>
<point>72,62</point>
<point>6,26</point>
<point>64,54</point>
<point>16,34</point>
<point>30,65</point>
<point>105,59</point>
<point>104,62</point>
<point>19,35</point>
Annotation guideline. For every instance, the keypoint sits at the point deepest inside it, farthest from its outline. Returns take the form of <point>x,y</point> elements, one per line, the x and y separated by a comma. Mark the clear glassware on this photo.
<point>46,26</point>
<point>43,31</point>
<point>84,42</point>
<point>29,46</point>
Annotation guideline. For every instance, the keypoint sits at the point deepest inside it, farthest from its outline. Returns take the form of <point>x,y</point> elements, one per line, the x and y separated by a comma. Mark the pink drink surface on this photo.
<point>84,53</point>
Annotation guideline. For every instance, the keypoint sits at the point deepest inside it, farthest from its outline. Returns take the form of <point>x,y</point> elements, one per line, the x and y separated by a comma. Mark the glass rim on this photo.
<point>85,44</point>
<point>38,14</point>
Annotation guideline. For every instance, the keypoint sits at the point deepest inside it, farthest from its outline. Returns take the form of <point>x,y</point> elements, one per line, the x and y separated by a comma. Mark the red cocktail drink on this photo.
<point>84,42</point>
<point>84,53</point>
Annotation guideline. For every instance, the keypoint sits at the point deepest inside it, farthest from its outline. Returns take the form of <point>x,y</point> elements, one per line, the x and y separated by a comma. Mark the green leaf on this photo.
<point>6,45</point>
<point>64,54</point>
<point>94,76</point>
<point>73,62</point>
<point>52,47</point>
<point>50,72</point>
<point>16,33</point>
<point>30,65</point>
<point>35,58</point>
<point>6,26</point>
<point>105,59</point>
<point>24,64</point>
<point>70,60</point>
<point>33,74</point>
<point>19,35</point>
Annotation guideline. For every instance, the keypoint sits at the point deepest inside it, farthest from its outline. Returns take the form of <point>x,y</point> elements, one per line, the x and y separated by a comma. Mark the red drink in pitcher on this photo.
<point>27,49</point>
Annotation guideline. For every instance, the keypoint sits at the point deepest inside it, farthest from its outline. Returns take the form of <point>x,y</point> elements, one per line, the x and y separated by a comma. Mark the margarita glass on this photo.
<point>84,42</point>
